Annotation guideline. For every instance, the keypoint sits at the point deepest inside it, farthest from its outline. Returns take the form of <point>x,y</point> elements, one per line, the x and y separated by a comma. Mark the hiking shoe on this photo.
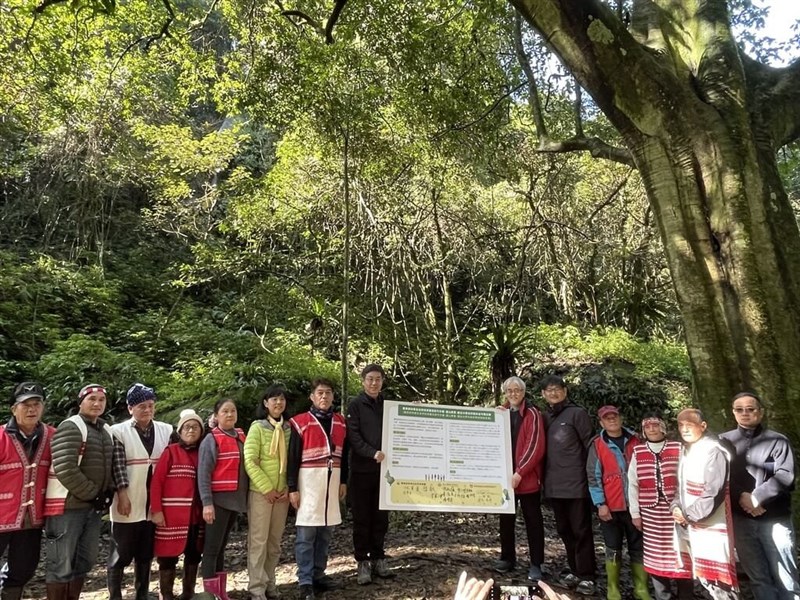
<point>568,580</point>
<point>503,566</point>
<point>364,572</point>
<point>586,588</point>
<point>326,583</point>
<point>535,573</point>
<point>381,568</point>
<point>306,592</point>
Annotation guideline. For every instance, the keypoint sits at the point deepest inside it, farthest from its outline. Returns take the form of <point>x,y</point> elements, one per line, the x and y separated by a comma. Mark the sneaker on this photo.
<point>364,572</point>
<point>568,580</point>
<point>381,568</point>
<point>306,592</point>
<point>326,583</point>
<point>535,573</point>
<point>586,588</point>
<point>503,566</point>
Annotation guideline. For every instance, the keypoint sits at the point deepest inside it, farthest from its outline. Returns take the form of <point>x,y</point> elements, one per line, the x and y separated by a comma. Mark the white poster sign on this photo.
<point>446,458</point>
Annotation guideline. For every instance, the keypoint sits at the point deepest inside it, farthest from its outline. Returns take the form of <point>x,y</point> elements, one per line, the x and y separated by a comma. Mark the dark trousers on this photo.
<point>618,528</point>
<point>23,555</point>
<point>531,506</point>
<point>216,539</point>
<point>131,542</point>
<point>369,524</point>
<point>574,526</point>
<point>191,552</point>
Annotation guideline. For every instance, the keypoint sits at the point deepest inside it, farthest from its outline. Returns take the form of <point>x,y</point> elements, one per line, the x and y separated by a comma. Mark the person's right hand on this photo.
<point>637,522</point>
<point>123,502</point>
<point>472,589</point>
<point>604,512</point>
<point>678,516</point>
<point>208,514</point>
<point>550,593</point>
<point>294,500</point>
<point>272,496</point>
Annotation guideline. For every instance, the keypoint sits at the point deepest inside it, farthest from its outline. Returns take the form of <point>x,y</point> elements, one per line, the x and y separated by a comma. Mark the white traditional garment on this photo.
<point>710,540</point>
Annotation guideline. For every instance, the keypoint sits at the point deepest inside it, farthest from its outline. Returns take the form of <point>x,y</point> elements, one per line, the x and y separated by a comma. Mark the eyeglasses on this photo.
<point>747,409</point>
<point>552,390</point>
<point>188,427</point>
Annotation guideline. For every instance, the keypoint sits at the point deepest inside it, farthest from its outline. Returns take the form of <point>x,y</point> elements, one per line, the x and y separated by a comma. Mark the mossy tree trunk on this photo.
<point>703,123</point>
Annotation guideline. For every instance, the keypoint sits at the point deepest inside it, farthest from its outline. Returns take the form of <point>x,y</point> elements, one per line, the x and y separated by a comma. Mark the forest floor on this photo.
<point>427,551</point>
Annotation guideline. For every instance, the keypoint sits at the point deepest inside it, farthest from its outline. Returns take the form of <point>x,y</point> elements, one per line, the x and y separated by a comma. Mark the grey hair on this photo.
<point>513,380</point>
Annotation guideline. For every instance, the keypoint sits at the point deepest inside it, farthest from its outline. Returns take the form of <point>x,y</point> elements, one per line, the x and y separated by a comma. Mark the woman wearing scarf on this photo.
<point>265,454</point>
<point>176,509</point>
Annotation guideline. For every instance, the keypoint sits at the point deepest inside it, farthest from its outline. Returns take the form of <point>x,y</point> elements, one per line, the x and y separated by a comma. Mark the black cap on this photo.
<point>25,391</point>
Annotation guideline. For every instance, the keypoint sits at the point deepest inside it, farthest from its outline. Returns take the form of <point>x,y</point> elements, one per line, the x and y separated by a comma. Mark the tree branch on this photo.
<point>327,31</point>
<point>45,4</point>
<point>304,17</point>
<point>595,146</point>
<point>534,104</point>
<point>780,105</point>
<point>335,14</point>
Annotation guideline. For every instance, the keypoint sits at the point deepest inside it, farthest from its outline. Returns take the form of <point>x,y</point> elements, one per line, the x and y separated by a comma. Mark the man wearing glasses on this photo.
<point>762,480</point>
<point>569,433</point>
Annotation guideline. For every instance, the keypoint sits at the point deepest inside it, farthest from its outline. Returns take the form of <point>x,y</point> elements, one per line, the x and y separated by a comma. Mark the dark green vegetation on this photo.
<point>209,196</point>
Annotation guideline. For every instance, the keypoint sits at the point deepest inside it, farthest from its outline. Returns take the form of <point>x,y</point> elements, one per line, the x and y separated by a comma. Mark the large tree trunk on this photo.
<point>703,124</point>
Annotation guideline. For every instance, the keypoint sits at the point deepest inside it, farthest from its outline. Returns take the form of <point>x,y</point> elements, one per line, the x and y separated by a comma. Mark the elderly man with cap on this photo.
<point>79,487</point>
<point>702,510</point>
<point>365,434</point>
<point>24,462</point>
<point>141,440</point>
<point>652,483</point>
<point>762,481</point>
<point>607,473</point>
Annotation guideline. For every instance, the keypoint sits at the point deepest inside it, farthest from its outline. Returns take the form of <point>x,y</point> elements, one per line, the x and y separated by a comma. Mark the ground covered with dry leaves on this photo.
<point>427,551</point>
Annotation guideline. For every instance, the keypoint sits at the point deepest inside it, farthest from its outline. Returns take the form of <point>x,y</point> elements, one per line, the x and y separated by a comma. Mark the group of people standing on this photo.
<point>173,492</point>
<point>679,505</point>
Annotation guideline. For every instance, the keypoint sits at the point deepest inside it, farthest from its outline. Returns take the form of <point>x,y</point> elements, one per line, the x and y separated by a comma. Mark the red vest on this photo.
<point>669,457</point>
<point>23,483</point>
<point>614,474</point>
<point>316,450</point>
<point>173,492</point>
<point>225,477</point>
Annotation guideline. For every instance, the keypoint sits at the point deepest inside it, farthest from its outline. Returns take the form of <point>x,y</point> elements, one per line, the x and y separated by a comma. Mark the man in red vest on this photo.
<point>607,472</point>
<point>24,462</point>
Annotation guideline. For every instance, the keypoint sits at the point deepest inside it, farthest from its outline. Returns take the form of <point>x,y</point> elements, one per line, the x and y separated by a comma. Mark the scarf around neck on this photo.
<point>278,445</point>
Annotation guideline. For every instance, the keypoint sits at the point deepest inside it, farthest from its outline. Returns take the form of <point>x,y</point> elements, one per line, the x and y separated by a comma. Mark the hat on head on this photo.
<point>372,368</point>
<point>139,393</point>
<point>654,419</point>
<point>92,388</point>
<point>606,410</point>
<point>188,414</point>
<point>27,390</point>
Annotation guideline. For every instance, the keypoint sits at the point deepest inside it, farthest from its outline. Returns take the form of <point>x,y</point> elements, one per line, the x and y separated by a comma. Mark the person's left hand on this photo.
<point>515,479</point>
<point>342,491</point>
<point>472,589</point>
<point>379,456</point>
<point>123,502</point>
<point>157,518</point>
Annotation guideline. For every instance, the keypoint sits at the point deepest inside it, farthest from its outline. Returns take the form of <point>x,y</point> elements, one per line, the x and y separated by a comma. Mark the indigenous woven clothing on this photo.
<point>174,493</point>
<point>320,472</point>
<point>225,477</point>
<point>23,478</point>
<point>139,463</point>
<point>703,497</point>
<point>652,484</point>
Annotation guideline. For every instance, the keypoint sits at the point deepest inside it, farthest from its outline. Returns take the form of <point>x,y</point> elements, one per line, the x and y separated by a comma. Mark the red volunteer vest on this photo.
<point>23,483</point>
<point>316,450</point>
<point>225,477</point>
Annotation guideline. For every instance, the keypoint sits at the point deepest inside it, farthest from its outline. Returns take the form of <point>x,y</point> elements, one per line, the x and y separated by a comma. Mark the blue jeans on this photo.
<point>72,541</point>
<point>311,552</point>
<point>766,551</point>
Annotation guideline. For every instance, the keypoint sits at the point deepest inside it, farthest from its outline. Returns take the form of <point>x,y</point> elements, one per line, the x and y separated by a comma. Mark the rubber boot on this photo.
<point>75,587</point>
<point>612,573</point>
<point>114,581</point>
<point>189,581</point>
<point>640,589</point>
<point>11,593</point>
<point>211,585</point>
<point>57,591</point>
<point>223,585</point>
<point>141,581</point>
<point>166,581</point>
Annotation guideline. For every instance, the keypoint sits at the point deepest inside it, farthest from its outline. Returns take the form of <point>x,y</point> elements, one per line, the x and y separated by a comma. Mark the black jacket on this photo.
<point>365,432</point>
<point>569,433</point>
<point>764,466</point>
